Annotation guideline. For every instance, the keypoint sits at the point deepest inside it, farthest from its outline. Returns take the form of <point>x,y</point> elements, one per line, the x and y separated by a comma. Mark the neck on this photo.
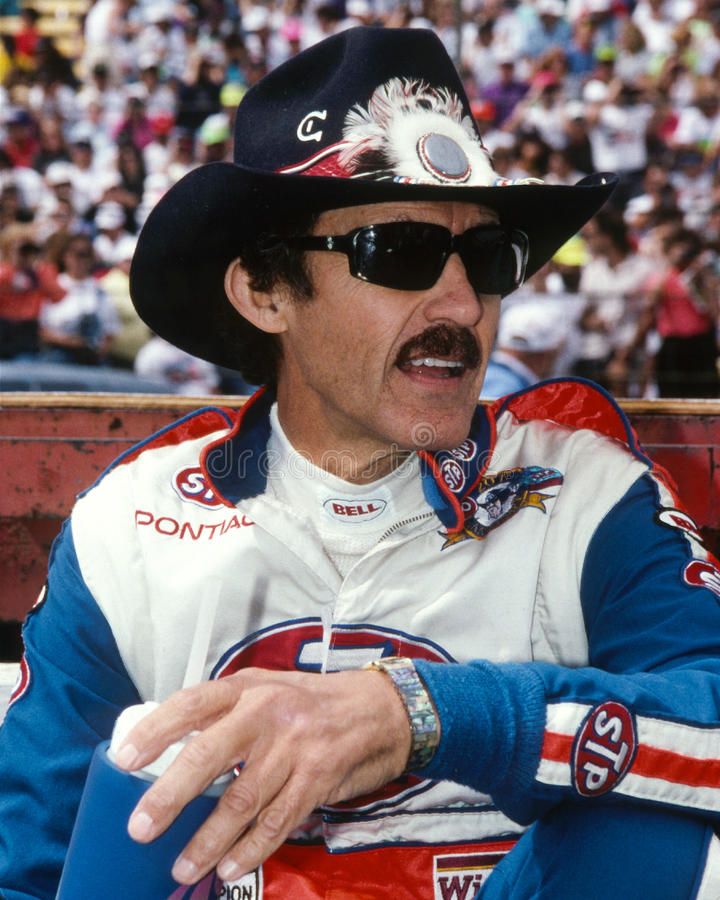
<point>335,449</point>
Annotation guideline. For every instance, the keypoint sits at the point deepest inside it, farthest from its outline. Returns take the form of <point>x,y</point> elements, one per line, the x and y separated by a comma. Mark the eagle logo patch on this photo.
<point>499,496</point>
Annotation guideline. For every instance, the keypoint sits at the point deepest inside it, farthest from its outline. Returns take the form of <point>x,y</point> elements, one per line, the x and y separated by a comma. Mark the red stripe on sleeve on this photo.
<point>557,747</point>
<point>654,762</point>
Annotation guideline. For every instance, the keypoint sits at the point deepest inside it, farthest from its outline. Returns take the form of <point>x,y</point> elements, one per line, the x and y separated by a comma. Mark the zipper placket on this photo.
<point>403,522</point>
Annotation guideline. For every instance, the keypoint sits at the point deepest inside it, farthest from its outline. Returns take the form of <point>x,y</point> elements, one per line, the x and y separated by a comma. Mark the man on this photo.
<point>363,509</point>
<point>530,337</point>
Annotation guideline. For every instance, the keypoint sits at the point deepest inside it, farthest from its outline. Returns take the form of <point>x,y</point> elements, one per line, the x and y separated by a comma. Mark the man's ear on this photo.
<point>264,310</point>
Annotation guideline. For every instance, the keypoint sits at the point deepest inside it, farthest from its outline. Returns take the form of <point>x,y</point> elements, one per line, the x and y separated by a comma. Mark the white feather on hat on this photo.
<point>416,131</point>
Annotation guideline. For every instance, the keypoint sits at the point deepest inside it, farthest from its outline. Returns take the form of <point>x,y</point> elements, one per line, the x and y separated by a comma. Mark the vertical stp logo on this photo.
<point>190,484</point>
<point>701,573</point>
<point>604,750</point>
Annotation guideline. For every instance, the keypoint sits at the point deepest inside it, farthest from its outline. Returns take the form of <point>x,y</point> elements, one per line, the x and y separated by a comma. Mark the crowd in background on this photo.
<point>559,89</point>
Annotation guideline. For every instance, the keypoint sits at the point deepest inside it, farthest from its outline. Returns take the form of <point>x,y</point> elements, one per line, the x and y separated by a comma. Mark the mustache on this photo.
<point>442,341</point>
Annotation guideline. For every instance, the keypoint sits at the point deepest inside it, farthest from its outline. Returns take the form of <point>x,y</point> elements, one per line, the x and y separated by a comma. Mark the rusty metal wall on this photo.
<point>54,446</point>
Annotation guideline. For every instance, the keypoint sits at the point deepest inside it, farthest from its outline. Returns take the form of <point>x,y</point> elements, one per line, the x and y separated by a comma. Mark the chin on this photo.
<point>433,433</point>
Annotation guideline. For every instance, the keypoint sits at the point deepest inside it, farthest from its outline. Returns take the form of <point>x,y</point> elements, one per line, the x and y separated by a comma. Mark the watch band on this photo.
<point>424,726</point>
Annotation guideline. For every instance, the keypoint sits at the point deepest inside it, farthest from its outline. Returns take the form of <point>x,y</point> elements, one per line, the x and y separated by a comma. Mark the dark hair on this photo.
<point>271,265</point>
<point>72,239</point>
<point>612,225</point>
<point>694,243</point>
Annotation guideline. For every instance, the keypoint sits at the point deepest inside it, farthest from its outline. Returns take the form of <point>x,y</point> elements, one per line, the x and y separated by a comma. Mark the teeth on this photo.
<point>431,361</point>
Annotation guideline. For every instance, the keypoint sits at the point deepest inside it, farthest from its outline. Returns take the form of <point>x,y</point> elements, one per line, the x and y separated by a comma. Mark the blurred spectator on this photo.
<point>135,127</point>
<point>560,169</point>
<point>654,19</point>
<point>692,183</point>
<point>682,305</point>
<point>157,154</point>
<point>618,127</point>
<point>85,175</point>
<point>236,55</point>
<point>55,84</point>
<point>27,184</point>
<point>59,180</point>
<point>528,342</point>
<point>187,374</point>
<point>638,216</point>
<point>199,96</point>
<point>27,37</point>
<point>541,111</point>
<point>182,154</point>
<point>12,208</point>
<point>506,92</point>
<point>51,142</point>
<point>129,188</point>
<point>633,59</point>
<point>55,222</point>
<point>578,149</point>
<point>158,96</point>
<point>163,36</point>
<point>215,139</point>
<point>580,54</point>
<point>101,97</point>
<point>531,156</point>
<point>132,332</point>
<point>611,284</point>
<point>21,143</point>
<point>548,28</point>
<point>111,240</point>
<point>111,28</point>
<point>230,95</point>
<point>26,284</point>
<point>79,328</point>
<point>481,57</point>
<point>698,127</point>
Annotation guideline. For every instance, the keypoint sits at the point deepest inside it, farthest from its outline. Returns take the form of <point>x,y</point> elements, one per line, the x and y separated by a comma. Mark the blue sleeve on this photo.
<point>73,686</point>
<point>641,722</point>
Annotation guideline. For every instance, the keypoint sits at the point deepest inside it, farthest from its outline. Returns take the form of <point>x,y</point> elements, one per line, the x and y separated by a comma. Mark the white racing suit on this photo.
<point>553,557</point>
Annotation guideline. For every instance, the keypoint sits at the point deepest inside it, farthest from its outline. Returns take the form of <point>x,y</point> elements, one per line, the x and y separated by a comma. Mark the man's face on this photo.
<point>347,382</point>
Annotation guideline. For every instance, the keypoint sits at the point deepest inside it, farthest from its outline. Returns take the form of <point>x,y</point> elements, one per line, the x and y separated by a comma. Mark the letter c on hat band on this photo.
<point>305,130</point>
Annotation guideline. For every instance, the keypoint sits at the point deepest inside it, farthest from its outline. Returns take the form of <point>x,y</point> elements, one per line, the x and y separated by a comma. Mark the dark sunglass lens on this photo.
<point>406,256</point>
<point>494,260</point>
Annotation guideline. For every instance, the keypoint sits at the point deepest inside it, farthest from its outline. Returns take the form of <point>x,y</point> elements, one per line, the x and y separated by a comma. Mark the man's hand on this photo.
<point>304,740</point>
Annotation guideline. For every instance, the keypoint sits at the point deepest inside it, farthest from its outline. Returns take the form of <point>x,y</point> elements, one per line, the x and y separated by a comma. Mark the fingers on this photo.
<point>288,810</point>
<point>188,710</point>
<point>207,755</point>
<point>259,810</point>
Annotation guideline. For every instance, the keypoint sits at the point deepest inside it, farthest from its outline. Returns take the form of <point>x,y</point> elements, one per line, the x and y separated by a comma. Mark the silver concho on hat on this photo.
<point>443,158</point>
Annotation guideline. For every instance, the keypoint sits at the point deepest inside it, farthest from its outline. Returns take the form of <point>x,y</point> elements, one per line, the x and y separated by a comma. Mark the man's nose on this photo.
<point>453,298</point>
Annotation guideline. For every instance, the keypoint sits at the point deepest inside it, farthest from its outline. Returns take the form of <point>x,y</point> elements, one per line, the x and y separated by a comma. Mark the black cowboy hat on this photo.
<point>369,115</point>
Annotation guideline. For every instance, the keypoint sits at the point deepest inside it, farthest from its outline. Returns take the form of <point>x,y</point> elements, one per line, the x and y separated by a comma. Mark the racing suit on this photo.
<point>554,563</point>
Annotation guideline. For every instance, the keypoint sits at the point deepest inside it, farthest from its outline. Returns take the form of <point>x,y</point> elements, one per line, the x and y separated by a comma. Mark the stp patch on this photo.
<point>191,485</point>
<point>604,749</point>
<point>703,573</point>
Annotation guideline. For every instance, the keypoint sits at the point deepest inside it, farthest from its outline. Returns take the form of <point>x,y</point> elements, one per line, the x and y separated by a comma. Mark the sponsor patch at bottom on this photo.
<point>249,887</point>
<point>459,876</point>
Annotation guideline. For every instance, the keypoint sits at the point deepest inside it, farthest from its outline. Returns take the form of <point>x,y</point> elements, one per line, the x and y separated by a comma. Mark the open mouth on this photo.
<point>440,353</point>
<point>434,367</point>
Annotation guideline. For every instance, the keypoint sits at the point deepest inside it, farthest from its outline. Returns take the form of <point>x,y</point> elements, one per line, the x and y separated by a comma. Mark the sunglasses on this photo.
<point>411,256</point>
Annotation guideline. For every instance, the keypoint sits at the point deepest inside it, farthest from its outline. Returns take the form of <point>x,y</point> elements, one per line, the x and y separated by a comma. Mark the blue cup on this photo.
<point>103,860</point>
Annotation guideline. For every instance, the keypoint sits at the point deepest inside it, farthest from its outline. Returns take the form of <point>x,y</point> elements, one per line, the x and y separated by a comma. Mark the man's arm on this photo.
<point>74,685</point>
<point>640,723</point>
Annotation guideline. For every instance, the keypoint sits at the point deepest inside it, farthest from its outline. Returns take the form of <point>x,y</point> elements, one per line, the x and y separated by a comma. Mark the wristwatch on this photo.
<point>424,725</point>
